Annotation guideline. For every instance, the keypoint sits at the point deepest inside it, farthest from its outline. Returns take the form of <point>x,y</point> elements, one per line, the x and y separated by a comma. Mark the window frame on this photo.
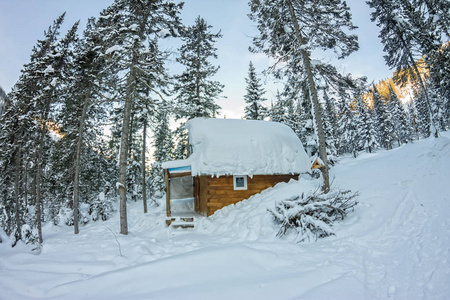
<point>242,188</point>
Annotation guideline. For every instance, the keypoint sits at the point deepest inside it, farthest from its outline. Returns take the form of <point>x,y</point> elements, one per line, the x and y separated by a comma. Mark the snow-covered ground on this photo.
<point>395,245</point>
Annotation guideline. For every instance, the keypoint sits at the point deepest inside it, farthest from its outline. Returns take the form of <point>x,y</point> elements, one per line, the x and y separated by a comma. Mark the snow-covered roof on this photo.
<point>242,147</point>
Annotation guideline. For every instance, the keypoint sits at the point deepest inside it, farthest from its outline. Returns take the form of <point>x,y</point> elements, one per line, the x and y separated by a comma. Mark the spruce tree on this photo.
<point>367,135</point>
<point>277,109</point>
<point>164,151</point>
<point>254,110</point>
<point>195,92</point>
<point>83,108</point>
<point>422,116</point>
<point>330,125</point>
<point>134,27</point>
<point>348,142</point>
<point>386,133</point>
<point>440,79</point>
<point>406,36</point>
<point>290,29</point>
<point>3,100</point>
<point>28,121</point>
<point>399,118</point>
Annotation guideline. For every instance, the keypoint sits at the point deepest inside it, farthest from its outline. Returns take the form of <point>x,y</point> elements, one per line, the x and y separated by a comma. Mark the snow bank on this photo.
<point>244,147</point>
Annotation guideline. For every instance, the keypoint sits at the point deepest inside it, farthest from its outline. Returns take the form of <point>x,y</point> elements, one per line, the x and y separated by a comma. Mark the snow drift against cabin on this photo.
<point>244,147</point>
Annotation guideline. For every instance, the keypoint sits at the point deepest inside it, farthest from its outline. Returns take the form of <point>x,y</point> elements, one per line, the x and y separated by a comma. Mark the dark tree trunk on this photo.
<point>124,147</point>
<point>17,171</point>
<point>314,101</point>
<point>144,185</point>
<point>76,181</point>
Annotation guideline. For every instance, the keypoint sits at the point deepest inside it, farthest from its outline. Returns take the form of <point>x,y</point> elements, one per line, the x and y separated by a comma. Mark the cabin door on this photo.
<point>182,195</point>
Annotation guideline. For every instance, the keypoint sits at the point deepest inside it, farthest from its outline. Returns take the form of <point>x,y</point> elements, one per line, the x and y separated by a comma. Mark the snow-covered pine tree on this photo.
<point>277,109</point>
<point>440,77</point>
<point>367,135</point>
<point>133,27</point>
<point>422,117</point>
<point>53,66</point>
<point>348,141</point>
<point>83,108</point>
<point>254,110</point>
<point>386,133</point>
<point>407,35</point>
<point>290,29</point>
<point>330,126</point>
<point>412,119</point>
<point>164,150</point>
<point>195,92</point>
<point>399,118</point>
<point>297,110</point>
<point>28,120</point>
<point>3,99</point>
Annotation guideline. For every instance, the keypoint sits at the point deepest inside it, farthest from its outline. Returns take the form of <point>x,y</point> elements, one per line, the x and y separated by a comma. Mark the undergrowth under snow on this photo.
<point>395,245</point>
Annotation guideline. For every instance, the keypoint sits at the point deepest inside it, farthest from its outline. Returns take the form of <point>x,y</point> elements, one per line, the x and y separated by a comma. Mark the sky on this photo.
<point>23,22</point>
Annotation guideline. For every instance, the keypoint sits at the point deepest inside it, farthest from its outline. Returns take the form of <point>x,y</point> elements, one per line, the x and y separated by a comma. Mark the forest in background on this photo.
<point>74,128</point>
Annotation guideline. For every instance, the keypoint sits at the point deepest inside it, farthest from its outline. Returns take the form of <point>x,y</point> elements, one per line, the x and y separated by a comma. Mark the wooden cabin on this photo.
<point>229,161</point>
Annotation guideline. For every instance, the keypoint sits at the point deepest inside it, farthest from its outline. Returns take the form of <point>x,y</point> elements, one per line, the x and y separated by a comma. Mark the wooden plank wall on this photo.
<point>215,193</point>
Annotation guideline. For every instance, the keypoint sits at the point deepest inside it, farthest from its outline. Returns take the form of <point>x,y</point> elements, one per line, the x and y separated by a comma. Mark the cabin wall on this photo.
<point>213,193</point>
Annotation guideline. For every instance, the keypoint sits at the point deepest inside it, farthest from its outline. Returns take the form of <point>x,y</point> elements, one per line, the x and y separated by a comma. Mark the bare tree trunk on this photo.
<point>124,146</point>
<point>18,160</point>
<point>25,186</point>
<point>314,101</point>
<point>42,130</point>
<point>38,181</point>
<point>144,185</point>
<point>76,180</point>
<point>433,127</point>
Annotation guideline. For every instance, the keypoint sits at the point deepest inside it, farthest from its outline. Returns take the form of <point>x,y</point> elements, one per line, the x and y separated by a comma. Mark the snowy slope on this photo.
<point>396,245</point>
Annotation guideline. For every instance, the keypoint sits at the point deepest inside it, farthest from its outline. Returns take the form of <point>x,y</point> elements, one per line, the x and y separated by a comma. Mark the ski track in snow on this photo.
<point>395,245</point>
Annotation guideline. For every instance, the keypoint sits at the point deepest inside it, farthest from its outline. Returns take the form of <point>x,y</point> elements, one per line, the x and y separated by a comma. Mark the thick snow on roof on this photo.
<point>242,147</point>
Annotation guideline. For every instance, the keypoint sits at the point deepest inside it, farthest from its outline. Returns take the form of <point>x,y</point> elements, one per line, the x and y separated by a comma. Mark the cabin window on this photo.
<point>240,182</point>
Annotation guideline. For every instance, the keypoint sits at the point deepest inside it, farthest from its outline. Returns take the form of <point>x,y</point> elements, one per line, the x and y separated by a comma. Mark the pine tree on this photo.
<point>28,121</point>
<point>3,100</point>
<point>422,117</point>
<point>254,110</point>
<point>440,77</point>
<point>290,29</point>
<point>83,108</point>
<point>412,120</point>
<point>386,134</point>
<point>195,92</point>
<point>164,151</point>
<point>348,142</point>
<point>399,118</point>
<point>367,136</point>
<point>330,125</point>
<point>134,28</point>
<point>277,110</point>
<point>406,32</point>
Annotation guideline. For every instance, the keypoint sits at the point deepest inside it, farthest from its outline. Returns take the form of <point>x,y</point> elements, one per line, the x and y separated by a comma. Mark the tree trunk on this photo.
<point>42,130</point>
<point>314,101</point>
<point>144,186</point>
<point>422,84</point>
<point>18,160</point>
<point>38,180</point>
<point>25,186</point>
<point>76,180</point>
<point>124,146</point>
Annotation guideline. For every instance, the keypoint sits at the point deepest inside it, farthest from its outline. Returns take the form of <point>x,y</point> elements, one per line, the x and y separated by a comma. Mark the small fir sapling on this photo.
<point>312,215</point>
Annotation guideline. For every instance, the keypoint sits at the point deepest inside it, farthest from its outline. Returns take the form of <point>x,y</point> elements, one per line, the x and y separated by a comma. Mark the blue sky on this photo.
<point>22,23</point>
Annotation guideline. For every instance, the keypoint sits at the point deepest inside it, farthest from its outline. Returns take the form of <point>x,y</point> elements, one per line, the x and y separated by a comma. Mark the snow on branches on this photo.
<point>312,215</point>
